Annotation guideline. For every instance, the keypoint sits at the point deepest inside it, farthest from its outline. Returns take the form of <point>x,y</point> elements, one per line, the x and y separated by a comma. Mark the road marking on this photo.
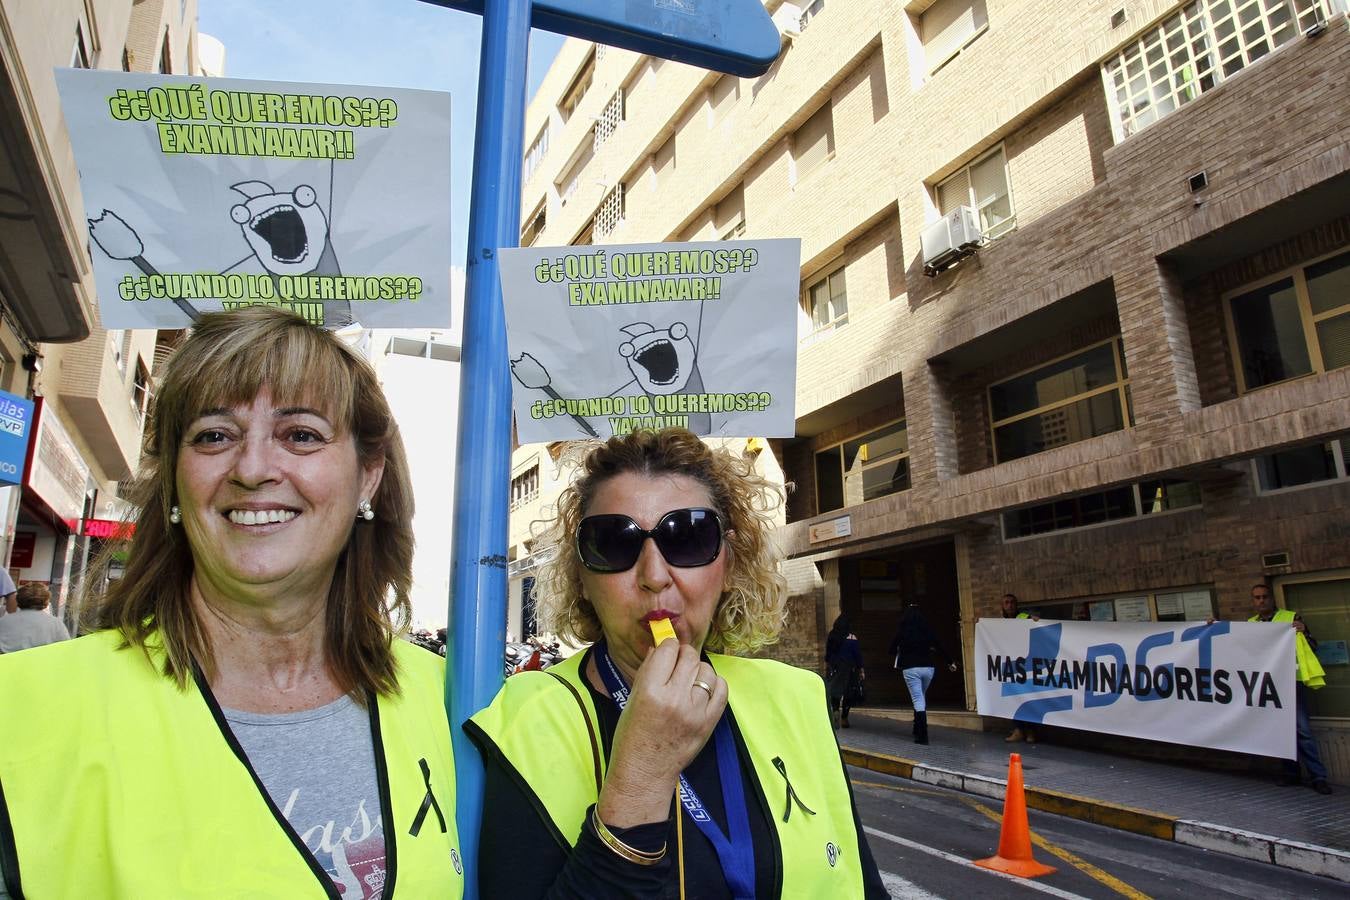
<point>903,889</point>
<point>1082,865</point>
<point>961,861</point>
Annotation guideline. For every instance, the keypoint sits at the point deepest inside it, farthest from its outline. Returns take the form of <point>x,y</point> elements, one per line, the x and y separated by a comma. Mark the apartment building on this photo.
<point>92,386</point>
<point>1075,299</point>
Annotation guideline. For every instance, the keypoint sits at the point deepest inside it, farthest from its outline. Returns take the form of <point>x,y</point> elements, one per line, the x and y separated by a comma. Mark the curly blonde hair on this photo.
<point>750,611</point>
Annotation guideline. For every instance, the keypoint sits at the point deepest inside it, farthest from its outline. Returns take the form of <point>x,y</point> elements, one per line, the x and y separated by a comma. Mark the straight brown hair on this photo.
<point>225,362</point>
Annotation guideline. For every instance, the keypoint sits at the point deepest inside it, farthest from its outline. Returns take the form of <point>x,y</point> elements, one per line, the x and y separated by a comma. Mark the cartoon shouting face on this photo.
<point>662,360</point>
<point>286,231</point>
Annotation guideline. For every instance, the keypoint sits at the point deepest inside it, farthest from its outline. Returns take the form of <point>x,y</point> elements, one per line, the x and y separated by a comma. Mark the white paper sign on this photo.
<point>211,193</point>
<point>1229,685</point>
<point>611,339</point>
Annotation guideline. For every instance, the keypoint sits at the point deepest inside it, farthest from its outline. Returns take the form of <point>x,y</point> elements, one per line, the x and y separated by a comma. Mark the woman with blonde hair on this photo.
<point>245,721</point>
<point>664,561</point>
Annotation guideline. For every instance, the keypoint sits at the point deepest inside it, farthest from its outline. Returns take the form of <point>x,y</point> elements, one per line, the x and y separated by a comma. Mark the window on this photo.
<point>1192,51</point>
<point>1193,605</point>
<point>609,120</point>
<point>140,392</point>
<point>949,26</point>
<point>118,343</point>
<point>1294,325</point>
<point>983,186</point>
<point>126,60</point>
<point>810,11</point>
<point>587,235</point>
<point>165,56</point>
<point>1301,466</point>
<point>1101,507</point>
<point>663,161</point>
<point>863,468</point>
<point>576,91</point>
<point>535,155</point>
<point>722,96</point>
<point>826,301</point>
<point>813,142</point>
<point>567,182</point>
<point>610,213</point>
<point>525,486</point>
<point>1080,396</point>
<point>729,215</point>
<point>534,226</point>
<point>79,56</point>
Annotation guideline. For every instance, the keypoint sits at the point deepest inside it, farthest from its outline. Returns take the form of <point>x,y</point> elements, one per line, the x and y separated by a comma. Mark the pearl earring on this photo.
<point>364,510</point>
<point>175,515</point>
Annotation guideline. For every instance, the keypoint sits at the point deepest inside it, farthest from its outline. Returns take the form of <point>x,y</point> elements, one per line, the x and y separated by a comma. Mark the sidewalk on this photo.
<point>1237,814</point>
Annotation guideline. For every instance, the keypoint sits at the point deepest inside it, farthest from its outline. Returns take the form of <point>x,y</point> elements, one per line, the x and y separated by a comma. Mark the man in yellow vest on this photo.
<point>1021,730</point>
<point>1310,676</point>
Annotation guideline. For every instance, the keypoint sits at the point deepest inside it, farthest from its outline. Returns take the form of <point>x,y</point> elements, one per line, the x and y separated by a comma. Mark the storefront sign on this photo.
<point>612,339</point>
<point>828,531</point>
<point>16,419</point>
<point>211,193</point>
<point>108,529</point>
<point>1229,686</point>
<point>59,475</point>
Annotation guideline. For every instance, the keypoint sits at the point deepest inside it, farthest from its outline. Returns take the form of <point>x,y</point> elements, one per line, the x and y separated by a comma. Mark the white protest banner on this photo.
<point>211,193</point>
<point>612,339</point>
<point>1229,685</point>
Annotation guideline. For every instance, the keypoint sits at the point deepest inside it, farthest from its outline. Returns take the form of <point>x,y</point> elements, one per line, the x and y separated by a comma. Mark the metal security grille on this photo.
<point>1191,51</point>
<point>610,213</point>
<point>609,119</point>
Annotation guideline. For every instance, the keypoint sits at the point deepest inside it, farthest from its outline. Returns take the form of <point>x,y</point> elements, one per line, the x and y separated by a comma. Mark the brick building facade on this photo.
<point>1130,400</point>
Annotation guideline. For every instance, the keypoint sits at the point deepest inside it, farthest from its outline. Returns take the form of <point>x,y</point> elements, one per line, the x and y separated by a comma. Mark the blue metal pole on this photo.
<point>482,475</point>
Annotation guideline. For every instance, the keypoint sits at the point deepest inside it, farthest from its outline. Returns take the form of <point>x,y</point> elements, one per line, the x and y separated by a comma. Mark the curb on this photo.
<point>1307,858</point>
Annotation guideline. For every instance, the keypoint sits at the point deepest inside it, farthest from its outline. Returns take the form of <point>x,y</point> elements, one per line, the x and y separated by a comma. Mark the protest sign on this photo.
<point>608,340</point>
<point>211,193</point>
<point>1229,686</point>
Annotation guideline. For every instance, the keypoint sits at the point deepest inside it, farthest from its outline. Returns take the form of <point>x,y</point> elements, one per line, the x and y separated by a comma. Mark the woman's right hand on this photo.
<point>665,724</point>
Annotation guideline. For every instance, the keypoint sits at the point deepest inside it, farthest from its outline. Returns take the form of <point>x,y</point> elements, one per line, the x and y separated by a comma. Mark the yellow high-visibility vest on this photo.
<point>1310,670</point>
<point>118,784</point>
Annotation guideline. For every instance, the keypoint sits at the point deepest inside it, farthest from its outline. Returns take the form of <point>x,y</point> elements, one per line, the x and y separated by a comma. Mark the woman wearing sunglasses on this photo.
<point>584,760</point>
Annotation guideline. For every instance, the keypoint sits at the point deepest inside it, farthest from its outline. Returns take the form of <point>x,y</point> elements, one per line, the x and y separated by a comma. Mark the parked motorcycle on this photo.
<point>530,655</point>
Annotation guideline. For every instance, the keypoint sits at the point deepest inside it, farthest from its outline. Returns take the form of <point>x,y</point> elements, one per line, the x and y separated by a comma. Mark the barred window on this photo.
<point>609,120</point>
<point>610,213</point>
<point>525,486</point>
<point>1188,53</point>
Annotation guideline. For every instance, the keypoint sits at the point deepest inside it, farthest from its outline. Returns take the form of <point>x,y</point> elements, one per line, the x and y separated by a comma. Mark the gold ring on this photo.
<point>703,684</point>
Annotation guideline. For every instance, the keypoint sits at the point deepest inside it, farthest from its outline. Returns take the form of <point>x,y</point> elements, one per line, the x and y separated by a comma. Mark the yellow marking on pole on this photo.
<point>1082,865</point>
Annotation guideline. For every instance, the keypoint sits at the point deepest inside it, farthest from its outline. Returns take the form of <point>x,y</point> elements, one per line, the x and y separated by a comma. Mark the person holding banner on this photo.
<point>584,759</point>
<point>1009,606</point>
<point>246,722</point>
<point>1310,677</point>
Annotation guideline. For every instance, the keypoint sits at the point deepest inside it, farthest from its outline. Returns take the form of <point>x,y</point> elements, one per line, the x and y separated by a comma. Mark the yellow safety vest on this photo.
<point>1310,670</point>
<point>550,736</point>
<point>115,783</point>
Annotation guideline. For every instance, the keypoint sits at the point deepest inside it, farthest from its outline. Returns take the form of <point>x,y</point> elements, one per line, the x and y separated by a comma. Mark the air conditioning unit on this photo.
<point>788,18</point>
<point>950,239</point>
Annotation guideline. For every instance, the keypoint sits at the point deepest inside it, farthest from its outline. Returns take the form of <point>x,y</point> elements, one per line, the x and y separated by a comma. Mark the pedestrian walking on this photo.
<point>844,672</point>
<point>30,625</point>
<point>913,648</point>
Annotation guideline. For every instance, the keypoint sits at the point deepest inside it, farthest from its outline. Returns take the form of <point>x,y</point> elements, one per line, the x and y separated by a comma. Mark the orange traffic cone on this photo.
<point>1014,839</point>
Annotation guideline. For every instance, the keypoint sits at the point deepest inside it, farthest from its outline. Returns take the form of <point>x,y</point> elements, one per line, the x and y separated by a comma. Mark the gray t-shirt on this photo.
<point>26,628</point>
<point>319,768</point>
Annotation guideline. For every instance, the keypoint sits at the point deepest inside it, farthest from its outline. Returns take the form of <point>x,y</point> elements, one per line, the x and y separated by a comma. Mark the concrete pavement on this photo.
<point>1233,813</point>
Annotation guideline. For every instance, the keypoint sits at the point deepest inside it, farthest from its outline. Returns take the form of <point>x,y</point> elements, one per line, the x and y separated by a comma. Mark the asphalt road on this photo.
<point>924,838</point>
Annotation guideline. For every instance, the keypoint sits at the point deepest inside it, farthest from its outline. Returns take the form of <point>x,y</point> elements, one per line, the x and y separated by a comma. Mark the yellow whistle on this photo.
<point>661,629</point>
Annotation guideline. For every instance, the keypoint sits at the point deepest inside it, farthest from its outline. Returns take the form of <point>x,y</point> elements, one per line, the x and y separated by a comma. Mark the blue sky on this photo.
<point>395,43</point>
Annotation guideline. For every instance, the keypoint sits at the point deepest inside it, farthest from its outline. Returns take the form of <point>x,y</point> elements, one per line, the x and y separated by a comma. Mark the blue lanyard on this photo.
<point>736,855</point>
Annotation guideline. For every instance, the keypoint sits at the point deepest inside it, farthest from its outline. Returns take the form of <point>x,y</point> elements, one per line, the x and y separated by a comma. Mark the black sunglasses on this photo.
<point>687,538</point>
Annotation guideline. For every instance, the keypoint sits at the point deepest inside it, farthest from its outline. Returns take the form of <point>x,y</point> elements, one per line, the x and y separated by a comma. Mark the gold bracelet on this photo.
<point>631,854</point>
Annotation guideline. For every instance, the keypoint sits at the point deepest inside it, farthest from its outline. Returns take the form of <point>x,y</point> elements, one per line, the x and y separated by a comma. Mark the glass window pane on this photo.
<point>1064,425</point>
<point>829,481</point>
<point>1058,381</point>
<point>1303,465</point>
<point>989,179</point>
<point>1333,336</point>
<point>1166,494</point>
<point>878,445</point>
<point>1329,283</point>
<point>887,478</point>
<point>1270,338</point>
<point>1075,512</point>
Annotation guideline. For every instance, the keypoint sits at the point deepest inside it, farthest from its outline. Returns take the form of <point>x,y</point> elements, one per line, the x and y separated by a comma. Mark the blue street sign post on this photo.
<point>733,36</point>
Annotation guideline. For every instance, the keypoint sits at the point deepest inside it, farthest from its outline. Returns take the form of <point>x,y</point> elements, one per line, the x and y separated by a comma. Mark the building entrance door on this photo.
<point>1325,607</point>
<point>873,590</point>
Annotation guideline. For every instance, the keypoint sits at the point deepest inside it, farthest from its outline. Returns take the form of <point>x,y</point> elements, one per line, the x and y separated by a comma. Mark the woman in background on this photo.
<point>843,670</point>
<point>913,647</point>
